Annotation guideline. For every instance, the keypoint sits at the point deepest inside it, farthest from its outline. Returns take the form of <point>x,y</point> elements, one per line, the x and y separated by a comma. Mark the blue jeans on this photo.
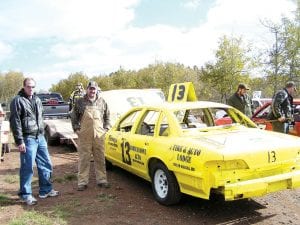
<point>36,150</point>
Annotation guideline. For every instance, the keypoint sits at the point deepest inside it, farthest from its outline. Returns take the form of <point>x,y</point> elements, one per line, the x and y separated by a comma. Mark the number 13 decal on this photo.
<point>271,157</point>
<point>125,152</point>
<point>181,92</point>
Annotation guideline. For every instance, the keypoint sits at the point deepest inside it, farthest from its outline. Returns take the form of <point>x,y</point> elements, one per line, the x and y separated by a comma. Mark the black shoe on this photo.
<point>81,187</point>
<point>105,185</point>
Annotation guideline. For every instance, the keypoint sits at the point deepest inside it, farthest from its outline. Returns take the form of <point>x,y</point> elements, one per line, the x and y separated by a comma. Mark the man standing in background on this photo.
<point>241,100</point>
<point>75,95</point>
<point>281,108</point>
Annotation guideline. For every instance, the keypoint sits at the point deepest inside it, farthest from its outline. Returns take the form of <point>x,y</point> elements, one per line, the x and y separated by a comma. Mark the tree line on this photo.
<point>235,62</point>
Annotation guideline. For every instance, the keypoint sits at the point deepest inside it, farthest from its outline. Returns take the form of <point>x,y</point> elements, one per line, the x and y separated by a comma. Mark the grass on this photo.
<point>11,179</point>
<point>66,178</point>
<point>66,209</point>
<point>61,211</point>
<point>103,197</point>
<point>36,218</point>
<point>74,207</point>
<point>4,200</point>
<point>70,177</point>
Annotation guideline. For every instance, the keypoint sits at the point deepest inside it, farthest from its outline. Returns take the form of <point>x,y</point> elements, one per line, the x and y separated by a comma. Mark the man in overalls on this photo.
<point>90,120</point>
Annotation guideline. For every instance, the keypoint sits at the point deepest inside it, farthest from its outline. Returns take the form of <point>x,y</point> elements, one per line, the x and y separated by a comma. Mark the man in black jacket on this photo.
<point>26,123</point>
<point>281,108</point>
<point>241,100</point>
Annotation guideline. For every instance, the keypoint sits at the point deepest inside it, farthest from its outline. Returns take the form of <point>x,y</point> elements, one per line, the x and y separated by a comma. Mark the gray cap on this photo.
<point>92,84</point>
<point>290,84</point>
<point>243,86</point>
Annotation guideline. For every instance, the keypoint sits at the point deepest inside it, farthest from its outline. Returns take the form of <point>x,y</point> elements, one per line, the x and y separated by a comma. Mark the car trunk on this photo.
<point>258,148</point>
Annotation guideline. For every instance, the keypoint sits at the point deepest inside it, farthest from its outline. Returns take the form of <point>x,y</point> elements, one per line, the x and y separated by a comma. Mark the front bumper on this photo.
<point>262,186</point>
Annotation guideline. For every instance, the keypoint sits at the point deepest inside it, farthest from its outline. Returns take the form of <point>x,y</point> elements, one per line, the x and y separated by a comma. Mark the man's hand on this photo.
<point>22,148</point>
<point>281,119</point>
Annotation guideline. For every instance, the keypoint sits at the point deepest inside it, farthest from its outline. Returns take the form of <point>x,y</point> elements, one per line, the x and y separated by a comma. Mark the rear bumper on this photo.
<point>262,186</point>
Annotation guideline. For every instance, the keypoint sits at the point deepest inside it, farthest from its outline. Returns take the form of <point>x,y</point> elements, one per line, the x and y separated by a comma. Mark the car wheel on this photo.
<point>108,165</point>
<point>164,185</point>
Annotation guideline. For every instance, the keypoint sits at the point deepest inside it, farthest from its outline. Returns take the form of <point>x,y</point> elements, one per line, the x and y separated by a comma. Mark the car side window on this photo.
<point>127,123</point>
<point>164,129</point>
<point>221,117</point>
<point>147,124</point>
<point>196,119</point>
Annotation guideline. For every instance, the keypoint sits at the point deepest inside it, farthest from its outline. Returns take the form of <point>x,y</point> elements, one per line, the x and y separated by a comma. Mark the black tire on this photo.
<point>108,165</point>
<point>164,185</point>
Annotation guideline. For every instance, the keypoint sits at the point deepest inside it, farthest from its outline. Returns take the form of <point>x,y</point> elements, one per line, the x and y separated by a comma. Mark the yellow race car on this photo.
<point>200,148</point>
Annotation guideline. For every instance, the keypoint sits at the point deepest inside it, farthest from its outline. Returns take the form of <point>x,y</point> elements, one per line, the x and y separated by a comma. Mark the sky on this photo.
<point>50,39</point>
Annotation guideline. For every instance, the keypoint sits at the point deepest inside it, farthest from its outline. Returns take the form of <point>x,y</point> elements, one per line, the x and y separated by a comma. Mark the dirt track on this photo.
<point>130,200</point>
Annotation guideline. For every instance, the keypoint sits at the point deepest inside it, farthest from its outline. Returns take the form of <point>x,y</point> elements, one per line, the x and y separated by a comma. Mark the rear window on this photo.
<point>50,96</point>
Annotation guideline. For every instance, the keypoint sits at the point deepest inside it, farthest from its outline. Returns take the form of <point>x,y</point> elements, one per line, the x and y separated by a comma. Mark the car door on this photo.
<point>135,147</point>
<point>117,140</point>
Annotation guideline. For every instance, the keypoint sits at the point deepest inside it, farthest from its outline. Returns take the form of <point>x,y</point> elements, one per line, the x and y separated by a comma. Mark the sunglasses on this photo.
<point>31,87</point>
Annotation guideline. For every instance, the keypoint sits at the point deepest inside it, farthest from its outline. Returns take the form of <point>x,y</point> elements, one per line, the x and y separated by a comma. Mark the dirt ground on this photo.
<point>130,200</point>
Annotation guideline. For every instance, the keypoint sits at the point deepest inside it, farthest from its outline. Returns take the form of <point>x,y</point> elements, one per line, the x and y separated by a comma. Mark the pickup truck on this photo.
<point>54,105</point>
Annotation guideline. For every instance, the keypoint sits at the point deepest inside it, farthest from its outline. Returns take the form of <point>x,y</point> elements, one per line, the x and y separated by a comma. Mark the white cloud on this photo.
<point>44,79</point>
<point>97,36</point>
<point>64,18</point>
<point>243,17</point>
<point>6,51</point>
<point>192,4</point>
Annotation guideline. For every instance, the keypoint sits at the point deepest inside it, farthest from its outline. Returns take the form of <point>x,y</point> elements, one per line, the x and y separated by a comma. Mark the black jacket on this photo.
<point>26,119</point>
<point>242,103</point>
<point>281,105</point>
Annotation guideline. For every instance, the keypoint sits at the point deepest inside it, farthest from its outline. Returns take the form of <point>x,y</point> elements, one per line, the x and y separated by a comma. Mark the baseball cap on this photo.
<point>243,86</point>
<point>92,84</point>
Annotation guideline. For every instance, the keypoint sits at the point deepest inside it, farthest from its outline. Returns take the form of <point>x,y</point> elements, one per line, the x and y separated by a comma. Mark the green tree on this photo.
<point>123,79</point>
<point>66,86</point>
<point>231,67</point>
<point>291,52</point>
<point>105,82</point>
<point>282,60</point>
<point>10,84</point>
<point>162,75</point>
